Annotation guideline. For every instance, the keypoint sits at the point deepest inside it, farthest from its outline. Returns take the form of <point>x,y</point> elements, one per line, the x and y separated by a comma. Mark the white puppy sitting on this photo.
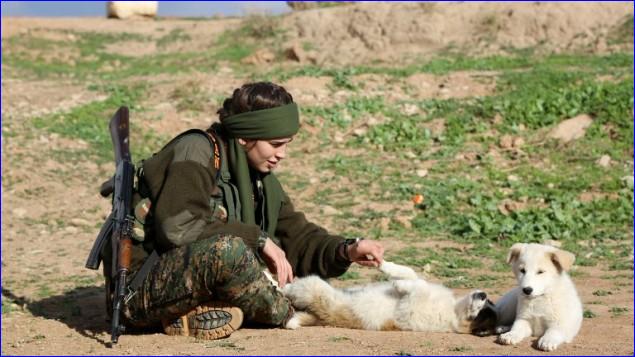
<point>407,303</point>
<point>545,302</point>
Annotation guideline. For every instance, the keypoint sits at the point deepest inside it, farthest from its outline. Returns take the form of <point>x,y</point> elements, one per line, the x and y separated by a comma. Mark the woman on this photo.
<point>212,225</point>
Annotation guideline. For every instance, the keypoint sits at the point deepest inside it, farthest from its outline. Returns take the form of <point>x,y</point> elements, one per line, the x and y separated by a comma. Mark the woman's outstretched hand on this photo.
<point>277,262</point>
<point>366,252</point>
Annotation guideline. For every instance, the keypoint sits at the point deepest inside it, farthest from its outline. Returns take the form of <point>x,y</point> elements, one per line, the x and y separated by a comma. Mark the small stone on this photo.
<point>571,129</point>
<point>422,173</point>
<point>410,109</point>
<point>360,132</point>
<point>71,229</point>
<point>410,155</point>
<point>329,210</point>
<point>79,222</point>
<point>604,161</point>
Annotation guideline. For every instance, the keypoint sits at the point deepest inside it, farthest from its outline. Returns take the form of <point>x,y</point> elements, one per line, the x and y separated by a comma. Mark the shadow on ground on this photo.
<point>81,309</point>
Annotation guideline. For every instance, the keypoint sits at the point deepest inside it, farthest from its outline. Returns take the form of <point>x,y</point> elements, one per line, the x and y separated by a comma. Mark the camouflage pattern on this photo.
<point>221,268</point>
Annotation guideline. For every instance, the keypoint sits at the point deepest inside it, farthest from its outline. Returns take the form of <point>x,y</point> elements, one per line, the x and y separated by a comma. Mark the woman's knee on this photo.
<point>228,257</point>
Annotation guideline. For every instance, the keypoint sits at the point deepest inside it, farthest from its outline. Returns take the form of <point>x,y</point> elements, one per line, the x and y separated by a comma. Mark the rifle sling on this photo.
<point>143,271</point>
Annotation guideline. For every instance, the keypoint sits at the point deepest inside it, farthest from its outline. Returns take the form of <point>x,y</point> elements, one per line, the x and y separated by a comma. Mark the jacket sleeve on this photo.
<point>182,209</point>
<point>309,248</point>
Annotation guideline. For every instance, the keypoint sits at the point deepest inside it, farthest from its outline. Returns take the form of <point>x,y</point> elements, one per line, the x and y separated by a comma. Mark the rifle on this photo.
<point>118,226</point>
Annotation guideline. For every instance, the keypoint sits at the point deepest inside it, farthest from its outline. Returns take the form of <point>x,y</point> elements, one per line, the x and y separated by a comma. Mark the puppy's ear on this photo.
<point>514,252</point>
<point>563,260</point>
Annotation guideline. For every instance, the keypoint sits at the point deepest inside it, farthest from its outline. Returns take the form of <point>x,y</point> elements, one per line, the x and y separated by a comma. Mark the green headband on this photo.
<point>273,123</point>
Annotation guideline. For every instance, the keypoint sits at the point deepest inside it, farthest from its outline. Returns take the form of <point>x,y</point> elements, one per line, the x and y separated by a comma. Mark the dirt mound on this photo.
<point>387,31</point>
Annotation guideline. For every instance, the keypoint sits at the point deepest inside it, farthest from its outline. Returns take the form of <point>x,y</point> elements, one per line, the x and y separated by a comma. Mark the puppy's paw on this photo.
<point>293,323</point>
<point>502,329</point>
<point>550,342</point>
<point>510,338</point>
<point>396,271</point>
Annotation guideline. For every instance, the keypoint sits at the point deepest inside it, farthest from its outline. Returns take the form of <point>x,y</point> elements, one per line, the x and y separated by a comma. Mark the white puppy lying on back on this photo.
<point>409,303</point>
<point>545,302</point>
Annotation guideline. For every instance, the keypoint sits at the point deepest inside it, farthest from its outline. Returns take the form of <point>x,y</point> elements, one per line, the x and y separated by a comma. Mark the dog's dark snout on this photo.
<point>527,290</point>
<point>481,296</point>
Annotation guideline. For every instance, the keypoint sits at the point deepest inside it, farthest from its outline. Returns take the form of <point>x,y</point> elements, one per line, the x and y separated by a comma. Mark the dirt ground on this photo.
<point>52,305</point>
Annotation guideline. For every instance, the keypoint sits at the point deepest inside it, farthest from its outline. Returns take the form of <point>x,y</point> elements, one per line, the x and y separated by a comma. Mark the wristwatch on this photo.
<point>347,242</point>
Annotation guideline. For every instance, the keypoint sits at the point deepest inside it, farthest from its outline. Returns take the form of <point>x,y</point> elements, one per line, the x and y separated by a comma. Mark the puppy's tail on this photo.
<point>396,271</point>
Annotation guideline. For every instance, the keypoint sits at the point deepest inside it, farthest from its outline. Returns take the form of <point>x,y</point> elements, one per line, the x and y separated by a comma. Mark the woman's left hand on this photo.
<point>277,262</point>
<point>366,252</point>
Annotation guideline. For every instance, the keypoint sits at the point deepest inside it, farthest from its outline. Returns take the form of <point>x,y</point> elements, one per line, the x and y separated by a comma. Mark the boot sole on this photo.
<point>207,322</point>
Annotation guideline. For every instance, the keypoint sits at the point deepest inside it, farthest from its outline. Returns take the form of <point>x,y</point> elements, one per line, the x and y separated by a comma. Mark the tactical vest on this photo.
<point>224,203</point>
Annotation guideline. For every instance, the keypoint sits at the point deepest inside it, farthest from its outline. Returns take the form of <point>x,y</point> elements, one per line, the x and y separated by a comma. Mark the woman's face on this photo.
<point>265,155</point>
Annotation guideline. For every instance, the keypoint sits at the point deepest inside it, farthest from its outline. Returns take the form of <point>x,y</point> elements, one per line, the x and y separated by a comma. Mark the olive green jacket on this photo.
<point>181,180</point>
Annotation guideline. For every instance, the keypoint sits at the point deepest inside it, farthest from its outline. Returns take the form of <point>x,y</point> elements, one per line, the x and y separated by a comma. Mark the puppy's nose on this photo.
<point>481,296</point>
<point>527,290</point>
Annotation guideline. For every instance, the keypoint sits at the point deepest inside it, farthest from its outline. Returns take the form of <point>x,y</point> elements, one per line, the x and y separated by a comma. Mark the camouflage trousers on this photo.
<point>221,268</point>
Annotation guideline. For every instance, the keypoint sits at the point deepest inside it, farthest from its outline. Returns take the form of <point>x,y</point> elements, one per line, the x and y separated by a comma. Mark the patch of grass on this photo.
<point>81,55</point>
<point>255,32</point>
<point>176,35</point>
<point>602,292</point>
<point>89,122</point>
<point>535,99</point>
<point>623,32</point>
<point>86,58</point>
<point>618,311</point>
<point>604,64</point>
<point>343,115</point>
<point>261,27</point>
<point>191,96</point>
<point>338,339</point>
<point>44,291</point>
<point>588,314</point>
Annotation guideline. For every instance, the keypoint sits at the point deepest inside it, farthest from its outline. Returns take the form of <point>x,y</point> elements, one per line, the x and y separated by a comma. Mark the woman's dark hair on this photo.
<point>254,96</point>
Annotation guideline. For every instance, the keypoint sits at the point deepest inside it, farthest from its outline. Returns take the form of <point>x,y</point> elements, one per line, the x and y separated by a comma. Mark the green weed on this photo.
<point>618,311</point>
<point>190,96</point>
<point>176,35</point>
<point>602,293</point>
<point>89,122</point>
<point>588,314</point>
